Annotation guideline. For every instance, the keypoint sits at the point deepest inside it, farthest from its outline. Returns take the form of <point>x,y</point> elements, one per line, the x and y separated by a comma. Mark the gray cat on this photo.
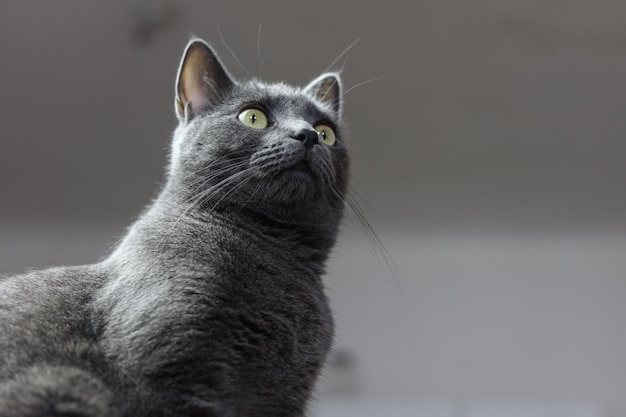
<point>212,304</point>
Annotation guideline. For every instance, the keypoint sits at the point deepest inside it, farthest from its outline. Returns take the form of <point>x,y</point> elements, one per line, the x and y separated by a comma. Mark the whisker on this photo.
<point>329,207</point>
<point>234,189</point>
<point>219,32</point>
<point>354,192</point>
<point>382,253</point>
<point>236,162</point>
<point>218,172</point>
<point>345,51</point>
<point>221,159</point>
<point>199,183</point>
<point>220,185</point>
<point>372,235</point>
<point>371,80</point>
<point>343,66</point>
<point>258,53</point>
<point>201,199</point>
<point>256,189</point>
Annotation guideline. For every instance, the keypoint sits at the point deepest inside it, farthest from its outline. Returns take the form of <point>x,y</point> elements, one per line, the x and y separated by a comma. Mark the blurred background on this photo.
<point>488,144</point>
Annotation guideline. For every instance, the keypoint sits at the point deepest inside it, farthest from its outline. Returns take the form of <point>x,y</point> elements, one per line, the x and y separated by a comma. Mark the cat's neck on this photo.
<point>174,228</point>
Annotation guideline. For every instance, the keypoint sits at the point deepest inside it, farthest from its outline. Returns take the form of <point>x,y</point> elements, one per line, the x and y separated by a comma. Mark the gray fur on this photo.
<point>212,304</point>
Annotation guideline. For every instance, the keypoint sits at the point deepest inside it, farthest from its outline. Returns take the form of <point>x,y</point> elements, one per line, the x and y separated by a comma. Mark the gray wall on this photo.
<point>490,157</point>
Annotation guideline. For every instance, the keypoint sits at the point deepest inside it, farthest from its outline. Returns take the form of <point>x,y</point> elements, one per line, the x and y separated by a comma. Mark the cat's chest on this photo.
<point>231,330</point>
<point>241,306</point>
<point>273,300</point>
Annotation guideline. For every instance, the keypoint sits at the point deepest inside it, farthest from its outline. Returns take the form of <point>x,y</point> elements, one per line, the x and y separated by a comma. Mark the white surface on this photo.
<point>381,408</point>
<point>512,409</point>
<point>525,315</point>
<point>407,408</point>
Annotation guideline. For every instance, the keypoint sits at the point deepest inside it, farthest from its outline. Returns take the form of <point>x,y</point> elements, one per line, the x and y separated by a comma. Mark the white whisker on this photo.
<point>258,52</point>
<point>231,51</point>
<point>380,250</point>
<point>345,51</point>
<point>371,80</point>
<point>201,199</point>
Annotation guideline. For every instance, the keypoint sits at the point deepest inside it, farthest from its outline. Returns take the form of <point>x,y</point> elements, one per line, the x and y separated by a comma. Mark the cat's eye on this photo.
<point>253,118</point>
<point>326,134</point>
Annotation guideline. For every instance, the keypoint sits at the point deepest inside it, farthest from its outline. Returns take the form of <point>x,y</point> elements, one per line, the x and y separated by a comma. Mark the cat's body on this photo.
<point>212,304</point>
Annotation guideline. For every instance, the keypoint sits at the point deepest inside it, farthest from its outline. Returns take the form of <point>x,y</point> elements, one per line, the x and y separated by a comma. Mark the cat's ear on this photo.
<point>327,89</point>
<point>201,78</point>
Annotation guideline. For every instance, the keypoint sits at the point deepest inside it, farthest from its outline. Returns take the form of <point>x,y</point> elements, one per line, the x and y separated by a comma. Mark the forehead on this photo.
<point>283,99</point>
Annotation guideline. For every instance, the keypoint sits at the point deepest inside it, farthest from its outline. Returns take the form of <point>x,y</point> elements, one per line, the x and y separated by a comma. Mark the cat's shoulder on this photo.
<point>41,285</point>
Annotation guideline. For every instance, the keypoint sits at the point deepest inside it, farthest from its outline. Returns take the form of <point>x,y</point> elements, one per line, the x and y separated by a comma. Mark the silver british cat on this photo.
<point>213,303</point>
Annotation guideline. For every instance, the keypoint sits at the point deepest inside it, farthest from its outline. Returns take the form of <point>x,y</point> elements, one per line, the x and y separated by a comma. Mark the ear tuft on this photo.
<point>327,89</point>
<point>201,79</point>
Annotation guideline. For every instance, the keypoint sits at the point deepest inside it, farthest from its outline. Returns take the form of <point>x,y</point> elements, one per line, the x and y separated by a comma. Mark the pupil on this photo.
<point>253,118</point>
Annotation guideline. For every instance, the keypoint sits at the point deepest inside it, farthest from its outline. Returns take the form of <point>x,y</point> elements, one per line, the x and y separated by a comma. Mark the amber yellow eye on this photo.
<point>253,118</point>
<point>326,134</point>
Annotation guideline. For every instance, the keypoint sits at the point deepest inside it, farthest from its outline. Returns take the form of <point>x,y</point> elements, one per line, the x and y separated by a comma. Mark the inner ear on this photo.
<point>327,89</point>
<point>200,81</point>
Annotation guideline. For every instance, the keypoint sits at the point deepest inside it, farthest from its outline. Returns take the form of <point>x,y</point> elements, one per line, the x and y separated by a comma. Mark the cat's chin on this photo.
<point>294,185</point>
<point>300,168</point>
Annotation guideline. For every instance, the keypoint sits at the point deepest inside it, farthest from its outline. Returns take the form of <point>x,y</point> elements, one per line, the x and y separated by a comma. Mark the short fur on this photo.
<point>212,304</point>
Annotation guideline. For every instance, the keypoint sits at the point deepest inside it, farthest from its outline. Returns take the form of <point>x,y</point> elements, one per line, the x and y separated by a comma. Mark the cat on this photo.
<point>212,304</point>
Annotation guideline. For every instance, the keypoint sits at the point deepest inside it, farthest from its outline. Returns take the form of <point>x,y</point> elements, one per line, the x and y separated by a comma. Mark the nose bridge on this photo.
<point>297,125</point>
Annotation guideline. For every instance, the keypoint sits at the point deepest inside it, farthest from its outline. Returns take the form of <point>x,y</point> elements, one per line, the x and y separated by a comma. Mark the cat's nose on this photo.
<point>308,137</point>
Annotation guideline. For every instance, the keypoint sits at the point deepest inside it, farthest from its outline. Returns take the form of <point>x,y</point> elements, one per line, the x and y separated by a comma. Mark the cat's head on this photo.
<point>264,146</point>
